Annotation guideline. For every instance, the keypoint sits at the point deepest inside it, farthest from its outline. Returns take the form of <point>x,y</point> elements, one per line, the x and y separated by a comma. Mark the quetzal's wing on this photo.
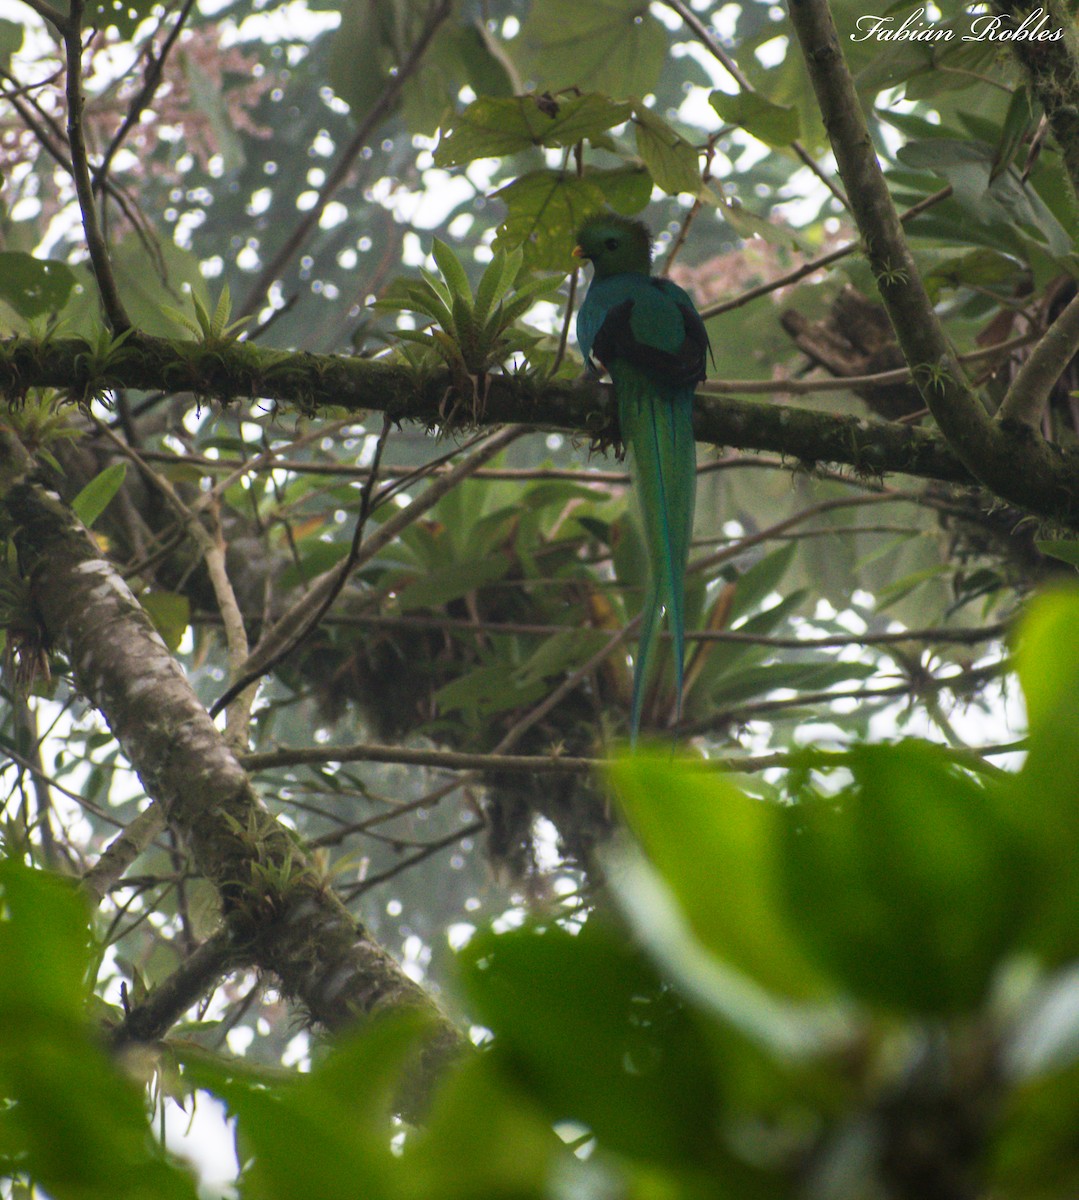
<point>656,329</point>
<point>696,335</point>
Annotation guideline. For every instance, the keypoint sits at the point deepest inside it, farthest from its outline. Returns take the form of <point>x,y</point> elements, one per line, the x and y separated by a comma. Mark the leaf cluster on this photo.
<point>888,943</point>
<point>472,333</point>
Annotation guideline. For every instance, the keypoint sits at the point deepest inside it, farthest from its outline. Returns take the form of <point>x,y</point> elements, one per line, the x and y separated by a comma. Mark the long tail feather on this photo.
<point>657,425</point>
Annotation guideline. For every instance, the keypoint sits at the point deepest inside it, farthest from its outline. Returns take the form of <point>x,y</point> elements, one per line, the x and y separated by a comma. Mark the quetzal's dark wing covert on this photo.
<point>682,365</point>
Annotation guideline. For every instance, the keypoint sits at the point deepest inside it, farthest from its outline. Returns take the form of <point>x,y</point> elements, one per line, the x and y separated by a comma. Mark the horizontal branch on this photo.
<point>450,760</point>
<point>307,381</point>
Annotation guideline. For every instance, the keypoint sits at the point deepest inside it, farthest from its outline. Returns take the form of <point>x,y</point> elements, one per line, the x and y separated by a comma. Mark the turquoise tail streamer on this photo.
<point>657,425</point>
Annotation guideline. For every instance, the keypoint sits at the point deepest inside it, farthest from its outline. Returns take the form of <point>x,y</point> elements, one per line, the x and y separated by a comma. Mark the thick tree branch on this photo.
<point>1013,462</point>
<point>167,1003</point>
<point>307,381</point>
<point>279,912</point>
<point>1052,67</point>
<point>1029,393</point>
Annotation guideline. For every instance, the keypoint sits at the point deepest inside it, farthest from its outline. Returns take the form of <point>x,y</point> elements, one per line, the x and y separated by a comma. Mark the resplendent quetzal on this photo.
<point>652,341</point>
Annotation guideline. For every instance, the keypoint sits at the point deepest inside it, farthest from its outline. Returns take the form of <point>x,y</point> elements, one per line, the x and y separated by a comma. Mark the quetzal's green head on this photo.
<point>615,245</point>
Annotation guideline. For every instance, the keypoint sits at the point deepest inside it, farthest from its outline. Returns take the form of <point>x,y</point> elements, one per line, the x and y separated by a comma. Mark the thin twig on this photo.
<point>248,674</point>
<point>738,75</point>
<point>815,264</point>
<point>695,208</point>
<point>428,851</point>
<point>297,623</point>
<point>380,109</point>
<point>115,313</point>
<point>144,97</point>
<point>448,760</point>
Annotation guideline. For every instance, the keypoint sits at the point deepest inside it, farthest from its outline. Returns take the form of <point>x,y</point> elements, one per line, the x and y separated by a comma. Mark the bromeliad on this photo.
<point>645,331</point>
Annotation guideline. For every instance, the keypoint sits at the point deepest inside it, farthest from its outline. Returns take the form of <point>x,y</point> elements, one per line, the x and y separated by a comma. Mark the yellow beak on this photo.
<point>579,252</point>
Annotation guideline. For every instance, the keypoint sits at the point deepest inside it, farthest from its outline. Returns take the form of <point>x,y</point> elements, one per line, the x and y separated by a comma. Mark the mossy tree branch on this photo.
<point>1029,393</point>
<point>310,382</point>
<point>1052,68</point>
<point>279,913</point>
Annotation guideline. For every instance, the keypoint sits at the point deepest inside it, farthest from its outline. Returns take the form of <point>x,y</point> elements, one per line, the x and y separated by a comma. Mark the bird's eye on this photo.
<point>611,243</point>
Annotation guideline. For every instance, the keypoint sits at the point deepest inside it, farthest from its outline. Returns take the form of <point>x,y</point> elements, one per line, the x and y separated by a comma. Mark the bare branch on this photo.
<point>377,113</point>
<point>145,95</point>
<point>814,264</point>
<point>121,852</point>
<point>80,171</point>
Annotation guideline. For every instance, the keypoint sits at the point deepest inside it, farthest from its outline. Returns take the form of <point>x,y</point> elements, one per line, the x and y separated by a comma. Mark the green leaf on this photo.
<point>774,124</point>
<point>366,34</point>
<point>212,103</point>
<point>607,45</point>
<point>544,211</point>
<point>94,498</point>
<point>459,55</point>
<point>509,1152</point>
<point>38,911</point>
<point>719,852</point>
<point>122,15</point>
<point>32,286</point>
<point>452,272</point>
<point>437,588</point>
<point>487,690</point>
<point>1047,663</point>
<point>327,1134</point>
<point>492,127</point>
<point>626,189</point>
<point>11,40</point>
<point>495,282</point>
<point>671,160</point>
<point>748,225</point>
<point>908,885</point>
<point>789,1030</point>
<point>760,580</point>
<point>77,1124</point>
<point>1066,551</point>
<point>170,614</point>
<point>556,1000</point>
<point>969,168</point>
<point>150,278</point>
<point>983,268</point>
<point>1018,122</point>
